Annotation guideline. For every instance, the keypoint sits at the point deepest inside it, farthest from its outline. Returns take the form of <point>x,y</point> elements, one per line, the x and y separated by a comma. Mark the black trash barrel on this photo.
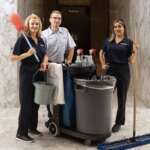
<point>94,105</point>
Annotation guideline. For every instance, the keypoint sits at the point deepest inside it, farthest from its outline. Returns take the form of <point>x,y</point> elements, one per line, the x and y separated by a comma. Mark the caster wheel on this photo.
<point>88,142</point>
<point>53,129</point>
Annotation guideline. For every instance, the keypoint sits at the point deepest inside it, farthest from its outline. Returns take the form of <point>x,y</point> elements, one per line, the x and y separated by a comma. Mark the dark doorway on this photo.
<point>77,20</point>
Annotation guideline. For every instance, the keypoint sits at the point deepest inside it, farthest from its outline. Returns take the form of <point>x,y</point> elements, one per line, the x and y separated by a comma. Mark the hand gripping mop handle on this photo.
<point>17,22</point>
<point>30,45</point>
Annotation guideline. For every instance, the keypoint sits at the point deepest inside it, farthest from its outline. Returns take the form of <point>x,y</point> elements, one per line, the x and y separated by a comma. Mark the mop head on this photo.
<point>126,143</point>
<point>17,22</point>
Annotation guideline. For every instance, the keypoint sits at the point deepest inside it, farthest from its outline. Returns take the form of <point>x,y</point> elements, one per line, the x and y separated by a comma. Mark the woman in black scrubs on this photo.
<point>117,52</point>
<point>28,117</point>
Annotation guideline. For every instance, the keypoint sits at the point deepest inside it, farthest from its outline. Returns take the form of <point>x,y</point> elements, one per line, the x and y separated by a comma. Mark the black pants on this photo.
<point>28,117</point>
<point>122,74</point>
<point>49,111</point>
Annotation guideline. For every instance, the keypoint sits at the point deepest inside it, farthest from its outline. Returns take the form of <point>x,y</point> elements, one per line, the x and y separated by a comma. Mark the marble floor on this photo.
<point>8,126</point>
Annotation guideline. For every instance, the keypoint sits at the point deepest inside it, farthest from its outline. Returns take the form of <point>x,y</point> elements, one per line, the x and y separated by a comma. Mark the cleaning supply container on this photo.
<point>93,100</point>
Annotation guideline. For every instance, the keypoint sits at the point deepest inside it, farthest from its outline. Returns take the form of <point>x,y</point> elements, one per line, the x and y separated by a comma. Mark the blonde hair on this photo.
<point>121,21</point>
<point>26,23</point>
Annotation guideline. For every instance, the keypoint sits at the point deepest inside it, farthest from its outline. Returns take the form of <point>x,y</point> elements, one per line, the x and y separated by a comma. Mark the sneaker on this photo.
<point>36,132</point>
<point>24,138</point>
<point>116,128</point>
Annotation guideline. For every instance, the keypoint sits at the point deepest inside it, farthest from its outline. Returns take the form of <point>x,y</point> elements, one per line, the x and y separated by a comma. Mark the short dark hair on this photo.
<point>55,11</point>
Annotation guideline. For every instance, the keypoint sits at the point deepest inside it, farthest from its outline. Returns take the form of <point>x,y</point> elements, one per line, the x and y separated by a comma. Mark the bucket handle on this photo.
<point>35,75</point>
<point>45,76</point>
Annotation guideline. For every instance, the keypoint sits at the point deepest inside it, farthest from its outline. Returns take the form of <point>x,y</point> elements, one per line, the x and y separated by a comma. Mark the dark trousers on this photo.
<point>122,74</point>
<point>28,117</point>
<point>49,111</point>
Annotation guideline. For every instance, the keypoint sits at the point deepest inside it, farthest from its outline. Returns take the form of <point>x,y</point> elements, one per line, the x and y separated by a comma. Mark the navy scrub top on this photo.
<point>118,52</point>
<point>21,46</point>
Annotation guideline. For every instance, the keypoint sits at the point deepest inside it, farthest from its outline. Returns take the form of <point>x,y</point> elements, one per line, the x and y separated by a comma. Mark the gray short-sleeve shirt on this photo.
<point>57,43</point>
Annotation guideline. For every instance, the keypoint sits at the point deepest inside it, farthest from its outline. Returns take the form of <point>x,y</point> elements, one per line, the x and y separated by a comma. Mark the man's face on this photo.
<point>55,19</point>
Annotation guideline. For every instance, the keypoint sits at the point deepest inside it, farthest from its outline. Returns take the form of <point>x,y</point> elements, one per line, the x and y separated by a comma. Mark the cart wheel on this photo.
<point>53,129</point>
<point>88,142</point>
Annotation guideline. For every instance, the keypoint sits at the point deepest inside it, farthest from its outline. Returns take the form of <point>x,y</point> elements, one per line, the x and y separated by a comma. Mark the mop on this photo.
<point>17,22</point>
<point>134,141</point>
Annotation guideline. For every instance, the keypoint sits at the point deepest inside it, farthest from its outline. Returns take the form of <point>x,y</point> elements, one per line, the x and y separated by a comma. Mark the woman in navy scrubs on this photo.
<point>28,117</point>
<point>117,52</point>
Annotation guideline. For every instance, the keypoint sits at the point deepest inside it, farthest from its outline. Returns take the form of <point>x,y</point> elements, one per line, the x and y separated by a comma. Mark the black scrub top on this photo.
<point>118,52</point>
<point>21,46</point>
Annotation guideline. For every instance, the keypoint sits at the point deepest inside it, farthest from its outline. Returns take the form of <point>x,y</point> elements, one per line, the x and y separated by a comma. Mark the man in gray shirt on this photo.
<point>58,42</point>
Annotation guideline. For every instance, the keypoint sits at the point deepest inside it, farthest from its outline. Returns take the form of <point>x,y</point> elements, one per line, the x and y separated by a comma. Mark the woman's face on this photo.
<point>118,29</point>
<point>34,26</point>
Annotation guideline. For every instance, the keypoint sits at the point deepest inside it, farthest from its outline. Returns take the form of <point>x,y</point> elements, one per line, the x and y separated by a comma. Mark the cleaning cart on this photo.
<point>86,113</point>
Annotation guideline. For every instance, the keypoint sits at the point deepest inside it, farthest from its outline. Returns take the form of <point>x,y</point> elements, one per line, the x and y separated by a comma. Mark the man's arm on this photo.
<point>70,56</point>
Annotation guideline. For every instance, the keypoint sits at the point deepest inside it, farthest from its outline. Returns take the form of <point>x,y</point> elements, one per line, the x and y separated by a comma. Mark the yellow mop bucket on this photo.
<point>43,91</point>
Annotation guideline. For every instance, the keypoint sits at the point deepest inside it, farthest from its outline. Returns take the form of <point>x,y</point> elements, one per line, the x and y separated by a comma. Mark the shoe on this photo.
<point>24,138</point>
<point>116,128</point>
<point>36,132</point>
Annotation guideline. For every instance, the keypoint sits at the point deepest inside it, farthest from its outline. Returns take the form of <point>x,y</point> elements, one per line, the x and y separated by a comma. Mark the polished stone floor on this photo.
<point>8,126</point>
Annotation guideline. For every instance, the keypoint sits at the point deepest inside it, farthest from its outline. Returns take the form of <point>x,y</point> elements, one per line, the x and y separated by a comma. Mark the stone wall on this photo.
<point>131,11</point>
<point>137,11</point>
<point>27,7</point>
<point>8,70</point>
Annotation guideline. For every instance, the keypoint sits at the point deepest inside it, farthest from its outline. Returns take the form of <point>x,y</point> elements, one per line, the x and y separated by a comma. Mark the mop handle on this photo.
<point>30,45</point>
<point>135,84</point>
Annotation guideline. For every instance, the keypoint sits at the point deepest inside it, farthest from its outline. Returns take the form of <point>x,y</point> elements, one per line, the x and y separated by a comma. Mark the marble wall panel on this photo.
<point>8,70</point>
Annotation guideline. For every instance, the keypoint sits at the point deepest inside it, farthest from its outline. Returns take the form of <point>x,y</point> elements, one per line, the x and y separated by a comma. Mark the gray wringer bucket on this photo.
<point>43,92</point>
